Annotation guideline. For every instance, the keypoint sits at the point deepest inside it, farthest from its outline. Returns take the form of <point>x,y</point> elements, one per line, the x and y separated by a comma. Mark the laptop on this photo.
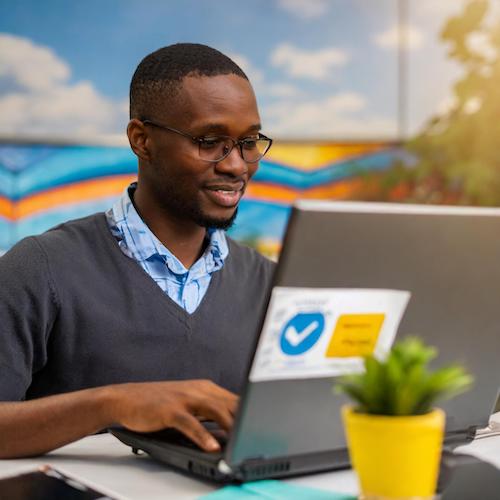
<point>447,257</point>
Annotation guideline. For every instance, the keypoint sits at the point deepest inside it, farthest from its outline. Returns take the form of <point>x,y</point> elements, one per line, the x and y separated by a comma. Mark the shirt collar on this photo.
<point>142,244</point>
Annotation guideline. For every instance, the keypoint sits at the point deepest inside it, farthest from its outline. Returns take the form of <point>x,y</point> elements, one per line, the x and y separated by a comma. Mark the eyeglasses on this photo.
<point>216,148</point>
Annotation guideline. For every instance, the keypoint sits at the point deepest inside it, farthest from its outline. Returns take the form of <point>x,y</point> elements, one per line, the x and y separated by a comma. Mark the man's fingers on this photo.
<point>208,396</point>
<point>233,406</point>
<point>210,388</point>
<point>191,427</point>
<point>230,399</point>
<point>214,411</point>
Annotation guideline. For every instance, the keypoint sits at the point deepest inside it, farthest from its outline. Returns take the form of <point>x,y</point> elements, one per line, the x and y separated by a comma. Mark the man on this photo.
<point>144,316</point>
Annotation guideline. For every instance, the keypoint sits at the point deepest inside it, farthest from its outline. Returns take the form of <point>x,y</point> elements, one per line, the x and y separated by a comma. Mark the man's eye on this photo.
<point>209,142</point>
<point>249,143</point>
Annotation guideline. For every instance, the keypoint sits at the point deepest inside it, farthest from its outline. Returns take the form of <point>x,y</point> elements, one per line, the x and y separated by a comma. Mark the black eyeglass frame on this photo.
<point>199,140</point>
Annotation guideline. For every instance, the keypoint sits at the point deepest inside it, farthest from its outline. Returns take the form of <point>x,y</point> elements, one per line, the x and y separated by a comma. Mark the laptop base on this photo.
<point>213,467</point>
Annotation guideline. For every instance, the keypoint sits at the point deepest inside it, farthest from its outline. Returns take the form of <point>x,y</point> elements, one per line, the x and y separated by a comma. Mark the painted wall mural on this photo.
<point>42,185</point>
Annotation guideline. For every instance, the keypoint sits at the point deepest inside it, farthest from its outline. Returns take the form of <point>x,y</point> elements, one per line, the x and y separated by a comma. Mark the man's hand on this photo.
<point>152,406</point>
<point>37,426</point>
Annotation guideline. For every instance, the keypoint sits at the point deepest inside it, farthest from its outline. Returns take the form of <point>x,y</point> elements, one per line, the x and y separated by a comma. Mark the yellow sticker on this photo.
<point>355,335</point>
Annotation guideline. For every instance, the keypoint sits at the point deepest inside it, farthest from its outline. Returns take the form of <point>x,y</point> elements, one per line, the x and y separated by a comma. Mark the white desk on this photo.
<point>107,464</point>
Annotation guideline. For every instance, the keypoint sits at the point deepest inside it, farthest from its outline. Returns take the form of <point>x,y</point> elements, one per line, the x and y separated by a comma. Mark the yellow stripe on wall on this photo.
<point>313,156</point>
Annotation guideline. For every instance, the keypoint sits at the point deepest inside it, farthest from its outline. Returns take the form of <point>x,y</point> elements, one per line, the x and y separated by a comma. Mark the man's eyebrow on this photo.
<point>212,127</point>
<point>255,127</point>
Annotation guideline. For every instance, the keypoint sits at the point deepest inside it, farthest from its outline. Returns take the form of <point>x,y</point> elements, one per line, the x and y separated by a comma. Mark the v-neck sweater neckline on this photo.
<point>142,275</point>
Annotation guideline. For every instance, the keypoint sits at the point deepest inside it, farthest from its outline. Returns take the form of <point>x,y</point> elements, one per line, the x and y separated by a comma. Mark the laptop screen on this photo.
<point>448,258</point>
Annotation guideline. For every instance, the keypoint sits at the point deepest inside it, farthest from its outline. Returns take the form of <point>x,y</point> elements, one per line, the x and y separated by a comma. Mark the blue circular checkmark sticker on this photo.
<point>301,333</point>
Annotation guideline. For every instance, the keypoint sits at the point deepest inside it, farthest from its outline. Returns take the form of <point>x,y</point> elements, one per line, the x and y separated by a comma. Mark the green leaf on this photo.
<point>402,384</point>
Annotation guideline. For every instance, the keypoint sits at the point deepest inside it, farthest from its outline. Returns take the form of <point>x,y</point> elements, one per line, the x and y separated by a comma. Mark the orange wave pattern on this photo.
<point>6,208</point>
<point>284,195</point>
<point>72,193</point>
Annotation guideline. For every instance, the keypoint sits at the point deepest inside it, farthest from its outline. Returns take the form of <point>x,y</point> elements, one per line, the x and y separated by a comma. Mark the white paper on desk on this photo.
<point>322,332</point>
<point>486,444</point>
<point>484,448</point>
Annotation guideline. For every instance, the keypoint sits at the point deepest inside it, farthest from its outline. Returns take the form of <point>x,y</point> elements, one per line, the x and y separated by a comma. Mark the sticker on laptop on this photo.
<point>325,332</point>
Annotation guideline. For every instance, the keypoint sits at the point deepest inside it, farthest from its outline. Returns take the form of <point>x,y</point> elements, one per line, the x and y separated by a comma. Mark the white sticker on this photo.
<point>325,332</point>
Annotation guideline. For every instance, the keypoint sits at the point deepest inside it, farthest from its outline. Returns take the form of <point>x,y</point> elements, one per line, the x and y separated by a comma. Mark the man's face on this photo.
<point>185,186</point>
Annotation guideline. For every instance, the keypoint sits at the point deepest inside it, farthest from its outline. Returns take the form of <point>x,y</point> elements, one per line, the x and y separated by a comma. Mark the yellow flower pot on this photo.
<point>395,457</point>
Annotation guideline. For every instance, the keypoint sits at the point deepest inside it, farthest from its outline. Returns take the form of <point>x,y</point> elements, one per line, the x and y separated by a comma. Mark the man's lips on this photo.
<point>226,195</point>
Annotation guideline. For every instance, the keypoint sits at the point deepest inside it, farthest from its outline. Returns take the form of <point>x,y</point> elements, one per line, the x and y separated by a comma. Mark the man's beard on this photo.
<point>172,203</point>
<point>210,222</point>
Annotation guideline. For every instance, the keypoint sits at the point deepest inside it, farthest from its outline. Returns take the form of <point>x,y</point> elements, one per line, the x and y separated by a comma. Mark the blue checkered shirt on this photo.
<point>184,286</point>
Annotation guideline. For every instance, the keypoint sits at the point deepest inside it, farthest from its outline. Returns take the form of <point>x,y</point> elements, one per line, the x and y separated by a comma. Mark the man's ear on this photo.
<point>139,139</point>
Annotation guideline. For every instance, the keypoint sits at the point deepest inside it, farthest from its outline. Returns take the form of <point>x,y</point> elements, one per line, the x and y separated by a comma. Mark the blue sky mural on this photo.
<point>322,69</point>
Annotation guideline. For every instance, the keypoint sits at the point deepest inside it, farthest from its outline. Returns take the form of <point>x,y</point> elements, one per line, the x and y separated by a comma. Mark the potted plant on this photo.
<point>394,432</point>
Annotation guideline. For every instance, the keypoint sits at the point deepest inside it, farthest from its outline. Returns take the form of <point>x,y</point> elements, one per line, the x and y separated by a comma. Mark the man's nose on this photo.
<point>233,163</point>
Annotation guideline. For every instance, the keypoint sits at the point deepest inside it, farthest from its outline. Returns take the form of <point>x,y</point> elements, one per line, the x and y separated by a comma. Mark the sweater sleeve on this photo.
<point>28,309</point>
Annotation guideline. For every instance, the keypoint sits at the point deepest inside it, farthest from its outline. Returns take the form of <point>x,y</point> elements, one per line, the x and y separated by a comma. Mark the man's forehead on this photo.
<point>206,97</point>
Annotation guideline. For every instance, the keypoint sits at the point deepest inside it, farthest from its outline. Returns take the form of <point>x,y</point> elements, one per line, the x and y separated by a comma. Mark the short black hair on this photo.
<point>159,75</point>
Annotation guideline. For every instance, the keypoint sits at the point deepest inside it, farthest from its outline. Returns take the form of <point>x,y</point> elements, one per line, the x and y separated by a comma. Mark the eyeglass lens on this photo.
<point>217,148</point>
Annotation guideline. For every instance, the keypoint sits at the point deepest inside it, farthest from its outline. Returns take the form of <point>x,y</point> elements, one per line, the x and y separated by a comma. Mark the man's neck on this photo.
<point>183,238</point>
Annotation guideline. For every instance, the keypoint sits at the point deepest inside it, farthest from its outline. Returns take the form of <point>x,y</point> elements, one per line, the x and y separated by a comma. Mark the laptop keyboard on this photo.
<point>175,437</point>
